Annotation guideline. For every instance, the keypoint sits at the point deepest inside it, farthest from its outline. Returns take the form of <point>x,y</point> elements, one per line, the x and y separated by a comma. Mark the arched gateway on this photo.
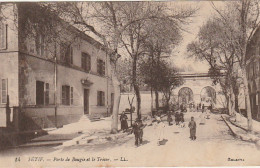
<point>198,88</point>
<point>185,95</point>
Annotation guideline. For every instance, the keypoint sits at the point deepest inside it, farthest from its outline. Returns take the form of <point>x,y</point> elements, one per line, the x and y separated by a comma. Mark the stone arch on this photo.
<point>185,95</point>
<point>207,92</point>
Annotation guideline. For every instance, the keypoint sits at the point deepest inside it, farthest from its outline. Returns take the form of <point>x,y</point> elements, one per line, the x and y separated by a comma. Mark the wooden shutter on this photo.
<point>47,89</point>
<point>63,96</point>
<point>71,95</point>
<point>83,61</point>
<point>88,62</point>
<point>4,90</point>
<point>71,54</point>
<point>103,98</point>
<point>99,67</point>
<point>98,98</point>
<point>103,68</point>
<point>3,36</point>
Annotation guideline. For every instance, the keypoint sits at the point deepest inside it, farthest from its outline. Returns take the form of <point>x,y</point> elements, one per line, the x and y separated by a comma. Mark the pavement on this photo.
<point>238,127</point>
<point>214,146</point>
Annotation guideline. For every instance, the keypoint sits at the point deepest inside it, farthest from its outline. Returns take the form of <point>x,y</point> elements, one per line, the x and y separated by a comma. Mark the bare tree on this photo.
<point>214,46</point>
<point>241,19</point>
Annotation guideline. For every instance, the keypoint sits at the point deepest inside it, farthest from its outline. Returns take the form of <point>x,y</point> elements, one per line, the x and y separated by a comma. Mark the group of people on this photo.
<point>138,126</point>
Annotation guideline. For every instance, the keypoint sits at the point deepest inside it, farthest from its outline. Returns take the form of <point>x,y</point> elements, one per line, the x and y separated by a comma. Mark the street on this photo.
<point>214,146</point>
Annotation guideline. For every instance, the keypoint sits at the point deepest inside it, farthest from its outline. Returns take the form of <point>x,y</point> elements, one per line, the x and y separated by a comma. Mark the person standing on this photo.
<point>203,107</point>
<point>159,126</point>
<point>177,118</point>
<point>124,124</point>
<point>138,127</point>
<point>181,117</point>
<point>192,126</point>
<point>169,118</point>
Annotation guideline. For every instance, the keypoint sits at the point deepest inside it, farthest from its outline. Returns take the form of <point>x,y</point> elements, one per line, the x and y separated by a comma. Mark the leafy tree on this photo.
<point>162,76</point>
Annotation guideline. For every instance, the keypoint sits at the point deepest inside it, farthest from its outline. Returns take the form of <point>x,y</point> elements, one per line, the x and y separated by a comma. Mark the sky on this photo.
<point>179,55</point>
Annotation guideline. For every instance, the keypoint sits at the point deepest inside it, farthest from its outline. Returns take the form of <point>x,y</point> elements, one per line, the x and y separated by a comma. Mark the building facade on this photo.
<point>50,76</point>
<point>253,73</point>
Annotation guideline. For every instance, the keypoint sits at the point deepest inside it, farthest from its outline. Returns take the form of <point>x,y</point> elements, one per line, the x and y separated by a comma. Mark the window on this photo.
<point>86,62</point>
<point>66,53</point>
<point>3,36</point>
<point>4,90</point>
<point>101,67</point>
<point>67,95</point>
<point>40,44</point>
<point>47,93</point>
<point>100,98</point>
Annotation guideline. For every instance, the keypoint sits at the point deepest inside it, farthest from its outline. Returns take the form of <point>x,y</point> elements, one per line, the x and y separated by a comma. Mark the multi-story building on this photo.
<point>51,73</point>
<point>253,73</point>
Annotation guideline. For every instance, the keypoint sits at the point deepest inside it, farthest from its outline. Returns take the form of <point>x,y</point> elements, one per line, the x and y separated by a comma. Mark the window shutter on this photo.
<point>98,67</point>
<point>47,88</point>
<point>103,68</point>
<point>71,95</point>
<point>63,96</point>
<point>83,61</point>
<point>3,36</point>
<point>42,44</point>
<point>4,90</point>
<point>98,98</point>
<point>103,98</point>
<point>89,62</point>
<point>71,54</point>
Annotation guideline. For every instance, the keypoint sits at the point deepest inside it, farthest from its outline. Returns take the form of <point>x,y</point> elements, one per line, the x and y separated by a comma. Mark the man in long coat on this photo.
<point>138,127</point>
<point>192,126</point>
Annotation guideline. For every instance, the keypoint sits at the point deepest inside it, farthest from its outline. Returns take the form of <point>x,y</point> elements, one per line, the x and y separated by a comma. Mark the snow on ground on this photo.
<point>213,147</point>
<point>84,125</point>
<point>241,120</point>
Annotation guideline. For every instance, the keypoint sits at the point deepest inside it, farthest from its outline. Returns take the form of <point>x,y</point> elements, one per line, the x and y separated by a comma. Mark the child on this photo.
<point>192,126</point>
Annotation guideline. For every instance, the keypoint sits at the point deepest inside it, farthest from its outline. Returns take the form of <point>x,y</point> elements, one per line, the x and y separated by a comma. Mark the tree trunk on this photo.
<point>244,22</point>
<point>232,96</point>
<point>167,103</point>
<point>151,99</point>
<point>229,105</point>
<point>236,103</point>
<point>114,124</point>
<point>156,99</point>
<point>248,106</point>
<point>136,87</point>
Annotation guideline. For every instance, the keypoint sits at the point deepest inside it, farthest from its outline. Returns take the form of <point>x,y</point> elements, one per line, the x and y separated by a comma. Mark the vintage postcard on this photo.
<point>130,83</point>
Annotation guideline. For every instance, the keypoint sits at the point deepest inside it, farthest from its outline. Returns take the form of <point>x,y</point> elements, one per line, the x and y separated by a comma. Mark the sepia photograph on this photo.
<point>130,83</point>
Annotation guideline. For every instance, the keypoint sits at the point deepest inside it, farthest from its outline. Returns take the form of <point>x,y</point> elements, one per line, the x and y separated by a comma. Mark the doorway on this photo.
<point>39,93</point>
<point>86,101</point>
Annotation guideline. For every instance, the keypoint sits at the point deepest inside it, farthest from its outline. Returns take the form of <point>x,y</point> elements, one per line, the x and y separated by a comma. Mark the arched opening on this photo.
<point>185,96</point>
<point>208,96</point>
